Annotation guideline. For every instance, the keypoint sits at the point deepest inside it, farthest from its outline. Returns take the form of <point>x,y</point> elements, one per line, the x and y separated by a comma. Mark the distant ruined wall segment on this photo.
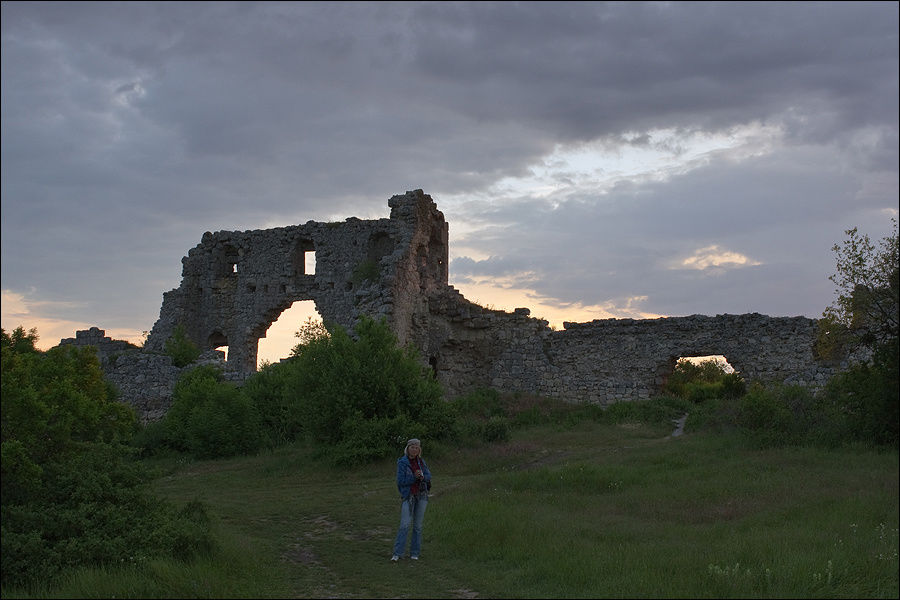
<point>235,284</point>
<point>610,360</point>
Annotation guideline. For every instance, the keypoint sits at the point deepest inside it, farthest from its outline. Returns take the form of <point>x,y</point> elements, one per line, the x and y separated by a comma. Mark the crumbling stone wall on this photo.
<point>609,360</point>
<point>144,380</point>
<point>235,284</point>
<point>97,338</point>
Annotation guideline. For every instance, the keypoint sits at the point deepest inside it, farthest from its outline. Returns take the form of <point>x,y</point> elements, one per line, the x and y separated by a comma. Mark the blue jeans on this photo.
<point>412,512</point>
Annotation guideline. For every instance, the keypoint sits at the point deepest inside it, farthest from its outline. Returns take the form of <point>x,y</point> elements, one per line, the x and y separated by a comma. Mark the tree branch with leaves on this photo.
<point>866,312</point>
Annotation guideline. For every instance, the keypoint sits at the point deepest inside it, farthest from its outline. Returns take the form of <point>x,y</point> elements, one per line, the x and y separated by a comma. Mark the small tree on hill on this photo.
<point>182,350</point>
<point>866,311</point>
<point>865,315</point>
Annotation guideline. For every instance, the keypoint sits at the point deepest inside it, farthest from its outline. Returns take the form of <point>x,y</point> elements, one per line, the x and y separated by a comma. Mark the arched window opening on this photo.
<point>218,341</point>
<point>280,338</point>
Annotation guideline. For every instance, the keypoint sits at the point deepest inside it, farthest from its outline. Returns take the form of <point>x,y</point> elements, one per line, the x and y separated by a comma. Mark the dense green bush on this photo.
<point>352,396</point>
<point>280,419</point>
<point>479,416</point>
<point>209,417</point>
<point>365,440</point>
<point>495,429</point>
<point>767,417</point>
<point>72,495</point>
<point>854,408</point>
<point>355,392</point>
<point>733,385</point>
<point>862,404</point>
<point>702,391</point>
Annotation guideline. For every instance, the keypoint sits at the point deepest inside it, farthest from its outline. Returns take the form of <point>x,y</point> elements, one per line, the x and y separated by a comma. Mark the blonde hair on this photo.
<point>412,442</point>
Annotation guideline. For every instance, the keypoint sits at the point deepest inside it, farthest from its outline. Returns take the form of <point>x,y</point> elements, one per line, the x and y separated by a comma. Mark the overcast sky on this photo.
<point>593,160</point>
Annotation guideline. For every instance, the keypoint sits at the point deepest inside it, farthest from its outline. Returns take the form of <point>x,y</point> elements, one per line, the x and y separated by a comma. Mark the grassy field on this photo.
<point>585,510</point>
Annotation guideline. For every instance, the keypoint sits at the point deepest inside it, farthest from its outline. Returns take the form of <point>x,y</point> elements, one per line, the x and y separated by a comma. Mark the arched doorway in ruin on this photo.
<point>280,338</point>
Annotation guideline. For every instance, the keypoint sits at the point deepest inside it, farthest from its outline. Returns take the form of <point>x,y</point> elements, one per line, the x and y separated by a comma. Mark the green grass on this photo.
<point>581,509</point>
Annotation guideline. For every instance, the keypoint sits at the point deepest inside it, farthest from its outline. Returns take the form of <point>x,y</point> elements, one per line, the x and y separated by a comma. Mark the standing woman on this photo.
<point>413,482</point>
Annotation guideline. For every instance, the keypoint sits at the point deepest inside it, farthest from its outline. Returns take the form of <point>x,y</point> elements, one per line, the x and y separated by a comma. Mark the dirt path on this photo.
<point>679,425</point>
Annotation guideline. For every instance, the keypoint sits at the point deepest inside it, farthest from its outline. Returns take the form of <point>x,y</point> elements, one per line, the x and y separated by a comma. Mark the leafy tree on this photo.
<point>865,317</point>
<point>182,350</point>
<point>19,341</point>
<point>308,333</point>
<point>53,401</point>
<point>867,309</point>
<point>359,394</point>
<point>71,494</point>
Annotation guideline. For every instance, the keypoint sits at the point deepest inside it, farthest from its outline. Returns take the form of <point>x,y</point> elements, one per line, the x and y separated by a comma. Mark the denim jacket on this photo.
<point>405,477</point>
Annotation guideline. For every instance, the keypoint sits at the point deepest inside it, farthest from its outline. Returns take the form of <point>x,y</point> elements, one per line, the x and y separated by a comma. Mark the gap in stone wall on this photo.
<point>280,338</point>
<point>716,357</point>
<point>218,341</point>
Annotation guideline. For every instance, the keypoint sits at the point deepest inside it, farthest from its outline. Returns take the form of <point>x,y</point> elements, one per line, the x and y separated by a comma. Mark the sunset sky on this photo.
<point>593,160</point>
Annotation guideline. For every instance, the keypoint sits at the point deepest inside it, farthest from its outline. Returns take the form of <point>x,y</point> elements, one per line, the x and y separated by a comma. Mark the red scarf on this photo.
<point>415,465</point>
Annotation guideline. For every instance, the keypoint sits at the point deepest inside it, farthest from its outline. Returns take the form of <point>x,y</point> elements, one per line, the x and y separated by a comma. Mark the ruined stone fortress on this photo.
<point>235,284</point>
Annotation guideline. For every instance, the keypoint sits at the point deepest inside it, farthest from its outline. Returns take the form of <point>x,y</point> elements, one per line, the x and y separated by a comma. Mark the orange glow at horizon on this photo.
<point>507,298</point>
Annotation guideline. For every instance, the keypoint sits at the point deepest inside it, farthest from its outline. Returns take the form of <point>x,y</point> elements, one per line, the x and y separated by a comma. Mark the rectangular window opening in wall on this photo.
<point>309,262</point>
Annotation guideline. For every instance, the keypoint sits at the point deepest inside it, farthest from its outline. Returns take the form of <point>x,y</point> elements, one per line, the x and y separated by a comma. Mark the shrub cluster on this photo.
<point>857,406</point>
<point>356,397</point>
<point>209,418</point>
<point>72,495</point>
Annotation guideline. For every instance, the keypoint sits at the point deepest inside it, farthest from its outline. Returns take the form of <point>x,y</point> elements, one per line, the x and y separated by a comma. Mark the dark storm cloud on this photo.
<point>592,70</point>
<point>128,129</point>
